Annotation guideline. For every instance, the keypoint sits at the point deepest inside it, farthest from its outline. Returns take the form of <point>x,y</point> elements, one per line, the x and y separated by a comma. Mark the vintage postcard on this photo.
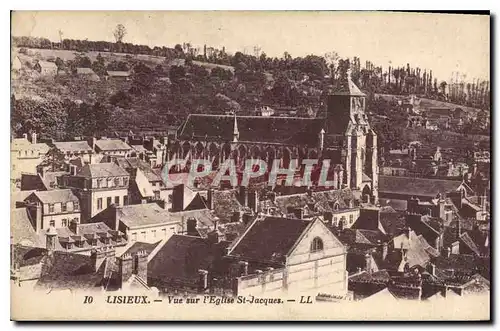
<point>314,165</point>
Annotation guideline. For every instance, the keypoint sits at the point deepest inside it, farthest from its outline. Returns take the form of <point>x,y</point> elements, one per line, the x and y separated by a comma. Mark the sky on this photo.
<point>445,43</point>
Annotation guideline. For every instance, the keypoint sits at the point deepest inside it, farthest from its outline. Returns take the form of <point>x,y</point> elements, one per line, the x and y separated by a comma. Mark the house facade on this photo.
<point>56,208</point>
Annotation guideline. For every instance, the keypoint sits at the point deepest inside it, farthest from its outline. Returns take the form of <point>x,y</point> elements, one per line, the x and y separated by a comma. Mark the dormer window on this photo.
<point>117,181</point>
<point>316,245</point>
<point>64,207</point>
<point>51,208</point>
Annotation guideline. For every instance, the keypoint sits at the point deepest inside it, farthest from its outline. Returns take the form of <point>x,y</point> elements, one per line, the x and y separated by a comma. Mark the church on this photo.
<point>342,135</point>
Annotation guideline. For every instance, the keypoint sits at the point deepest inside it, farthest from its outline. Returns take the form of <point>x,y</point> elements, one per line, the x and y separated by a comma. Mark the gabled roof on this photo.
<point>281,130</point>
<point>21,228</point>
<point>101,170</point>
<point>270,239</point>
<point>180,258</point>
<point>141,246</point>
<point>142,215</point>
<point>73,146</point>
<point>112,145</point>
<point>416,186</point>
<point>135,163</point>
<point>55,196</point>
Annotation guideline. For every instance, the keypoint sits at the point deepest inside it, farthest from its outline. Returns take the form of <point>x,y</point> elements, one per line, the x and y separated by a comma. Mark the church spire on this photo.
<point>236,133</point>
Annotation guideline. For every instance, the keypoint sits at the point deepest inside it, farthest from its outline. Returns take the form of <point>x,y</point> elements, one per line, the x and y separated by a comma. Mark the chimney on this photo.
<point>203,280</point>
<point>448,252</point>
<point>385,248</point>
<point>328,217</point>
<point>125,265</point>
<point>33,138</point>
<point>178,198</point>
<point>50,239</point>
<point>413,204</point>
<point>191,227</point>
<point>253,200</point>
<point>247,218</point>
<point>98,256</point>
<point>237,216</point>
<point>272,196</point>
<point>299,213</point>
<point>210,199</point>
<point>243,196</point>
<point>368,262</point>
<point>92,142</point>
<point>243,268</point>
<point>73,226</point>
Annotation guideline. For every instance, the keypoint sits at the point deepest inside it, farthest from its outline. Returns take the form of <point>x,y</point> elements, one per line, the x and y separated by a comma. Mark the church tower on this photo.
<point>347,122</point>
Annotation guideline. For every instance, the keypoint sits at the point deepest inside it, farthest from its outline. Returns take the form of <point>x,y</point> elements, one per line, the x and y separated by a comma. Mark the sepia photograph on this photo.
<point>250,165</point>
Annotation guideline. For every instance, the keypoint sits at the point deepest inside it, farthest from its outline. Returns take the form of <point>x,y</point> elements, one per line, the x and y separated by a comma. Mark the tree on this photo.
<point>119,33</point>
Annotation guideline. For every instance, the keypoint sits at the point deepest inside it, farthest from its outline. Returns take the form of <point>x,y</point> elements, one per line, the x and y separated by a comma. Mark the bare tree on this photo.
<point>120,33</point>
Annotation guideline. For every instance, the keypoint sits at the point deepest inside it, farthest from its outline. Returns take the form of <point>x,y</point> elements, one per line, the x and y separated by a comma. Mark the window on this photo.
<point>125,181</point>
<point>172,229</point>
<point>164,233</point>
<point>316,245</point>
<point>117,200</point>
<point>52,223</point>
<point>153,233</point>
<point>117,181</point>
<point>110,182</point>
<point>125,200</point>
<point>76,205</point>
<point>170,198</point>
<point>351,218</point>
<point>108,201</point>
<point>143,235</point>
<point>134,236</point>
<point>64,222</point>
<point>99,203</point>
<point>157,195</point>
<point>335,220</point>
<point>64,207</point>
<point>51,208</point>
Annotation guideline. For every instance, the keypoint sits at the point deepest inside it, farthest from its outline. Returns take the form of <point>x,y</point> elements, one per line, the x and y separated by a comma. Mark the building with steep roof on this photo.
<point>344,136</point>
<point>99,186</point>
<point>26,155</point>
<point>57,208</point>
<point>45,68</point>
<point>279,254</point>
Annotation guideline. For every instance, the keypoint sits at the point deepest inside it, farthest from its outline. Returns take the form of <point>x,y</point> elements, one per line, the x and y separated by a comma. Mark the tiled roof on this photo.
<point>19,196</point>
<point>33,182</point>
<point>112,145</point>
<point>375,277</point>
<point>225,203</point>
<point>434,223</point>
<point>270,239</point>
<point>461,264</point>
<point>101,170</point>
<point>64,270</point>
<point>180,258</point>
<point>141,246</point>
<point>143,214</point>
<point>21,229</point>
<point>416,186</point>
<point>73,146</point>
<point>396,204</point>
<point>55,196</point>
<point>281,130</point>
<point>393,223</point>
<point>129,163</point>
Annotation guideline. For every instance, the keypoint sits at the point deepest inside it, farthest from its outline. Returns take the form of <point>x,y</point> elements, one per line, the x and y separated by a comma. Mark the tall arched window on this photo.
<point>316,245</point>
